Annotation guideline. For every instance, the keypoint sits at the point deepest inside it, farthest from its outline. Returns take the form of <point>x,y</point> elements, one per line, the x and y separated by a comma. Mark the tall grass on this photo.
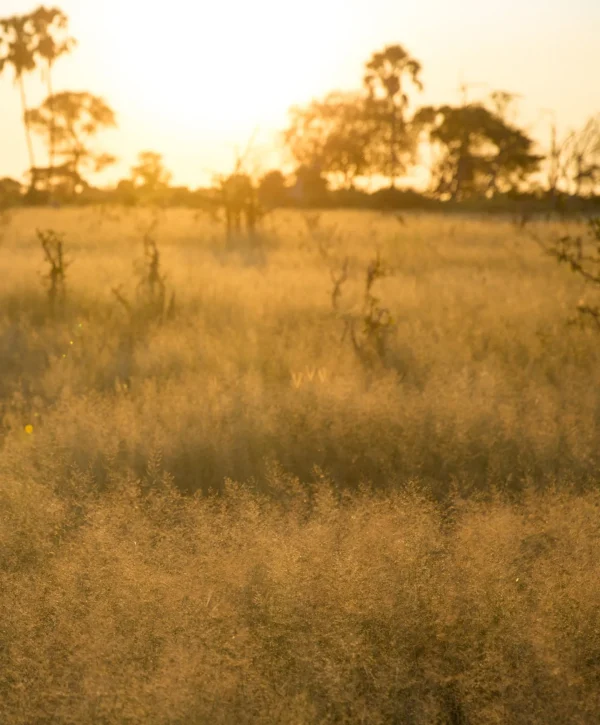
<point>418,542</point>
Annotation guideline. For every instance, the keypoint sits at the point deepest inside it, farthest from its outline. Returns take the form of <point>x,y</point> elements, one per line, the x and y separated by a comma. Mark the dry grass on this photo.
<point>415,543</point>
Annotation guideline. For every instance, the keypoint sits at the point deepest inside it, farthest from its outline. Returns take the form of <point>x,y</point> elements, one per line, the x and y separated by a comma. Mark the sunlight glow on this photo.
<point>195,81</point>
<point>218,67</point>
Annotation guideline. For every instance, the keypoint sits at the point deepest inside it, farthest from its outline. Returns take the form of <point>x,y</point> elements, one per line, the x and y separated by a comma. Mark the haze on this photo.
<point>195,82</point>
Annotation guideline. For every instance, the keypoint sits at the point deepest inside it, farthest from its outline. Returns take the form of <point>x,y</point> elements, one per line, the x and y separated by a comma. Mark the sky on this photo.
<point>197,82</point>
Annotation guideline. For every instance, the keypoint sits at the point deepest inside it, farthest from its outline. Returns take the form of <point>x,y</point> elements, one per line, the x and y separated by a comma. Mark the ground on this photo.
<point>215,510</point>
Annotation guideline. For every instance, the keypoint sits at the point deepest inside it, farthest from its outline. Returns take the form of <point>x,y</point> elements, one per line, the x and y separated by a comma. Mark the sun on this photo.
<point>226,67</point>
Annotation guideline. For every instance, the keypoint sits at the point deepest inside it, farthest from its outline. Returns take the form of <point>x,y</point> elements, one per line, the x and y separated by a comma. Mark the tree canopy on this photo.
<point>150,173</point>
<point>76,117</point>
<point>373,132</point>
<point>359,133</point>
<point>334,134</point>
<point>478,152</point>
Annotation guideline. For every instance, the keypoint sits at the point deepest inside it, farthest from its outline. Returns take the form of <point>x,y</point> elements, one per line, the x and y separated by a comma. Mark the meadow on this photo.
<point>224,514</point>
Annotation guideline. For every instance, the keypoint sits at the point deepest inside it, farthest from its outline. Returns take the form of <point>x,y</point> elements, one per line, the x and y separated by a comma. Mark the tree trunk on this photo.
<point>26,123</point>
<point>578,174</point>
<point>392,151</point>
<point>52,118</point>
<point>492,188</point>
<point>456,185</point>
<point>554,170</point>
<point>393,146</point>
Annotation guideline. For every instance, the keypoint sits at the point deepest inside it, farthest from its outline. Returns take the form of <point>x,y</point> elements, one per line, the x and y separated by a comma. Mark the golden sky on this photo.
<point>194,80</point>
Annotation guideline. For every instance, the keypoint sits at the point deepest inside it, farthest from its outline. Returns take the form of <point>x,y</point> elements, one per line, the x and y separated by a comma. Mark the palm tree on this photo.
<point>50,28</point>
<point>17,42</point>
<point>385,80</point>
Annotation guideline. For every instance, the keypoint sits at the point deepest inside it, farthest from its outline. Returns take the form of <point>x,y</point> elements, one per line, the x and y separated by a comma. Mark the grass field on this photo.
<point>228,516</point>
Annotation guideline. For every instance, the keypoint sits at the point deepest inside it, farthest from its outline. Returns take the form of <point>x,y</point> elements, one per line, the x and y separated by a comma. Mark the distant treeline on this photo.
<point>294,197</point>
<point>476,154</point>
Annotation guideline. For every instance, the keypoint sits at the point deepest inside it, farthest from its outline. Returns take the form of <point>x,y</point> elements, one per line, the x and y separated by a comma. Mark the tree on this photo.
<point>582,150</point>
<point>272,190</point>
<point>10,192</point>
<point>150,174</point>
<point>17,49</point>
<point>557,161</point>
<point>479,153</point>
<point>511,160</point>
<point>52,40</point>
<point>334,134</point>
<point>387,74</point>
<point>503,104</point>
<point>125,192</point>
<point>76,118</point>
<point>310,187</point>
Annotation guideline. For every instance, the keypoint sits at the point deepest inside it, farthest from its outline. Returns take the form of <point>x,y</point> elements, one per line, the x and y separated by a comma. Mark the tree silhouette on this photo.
<point>10,192</point>
<point>480,153</point>
<point>503,103</point>
<point>335,134</point>
<point>387,74</point>
<point>52,41</point>
<point>582,151</point>
<point>150,174</point>
<point>311,186</point>
<point>557,161</point>
<point>76,118</point>
<point>17,49</point>
<point>272,190</point>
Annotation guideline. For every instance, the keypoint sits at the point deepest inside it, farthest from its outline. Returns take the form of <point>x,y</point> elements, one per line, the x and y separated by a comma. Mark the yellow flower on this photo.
<point>29,429</point>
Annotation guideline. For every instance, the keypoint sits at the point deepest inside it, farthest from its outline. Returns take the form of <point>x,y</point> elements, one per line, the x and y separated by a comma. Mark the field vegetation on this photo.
<point>342,470</point>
